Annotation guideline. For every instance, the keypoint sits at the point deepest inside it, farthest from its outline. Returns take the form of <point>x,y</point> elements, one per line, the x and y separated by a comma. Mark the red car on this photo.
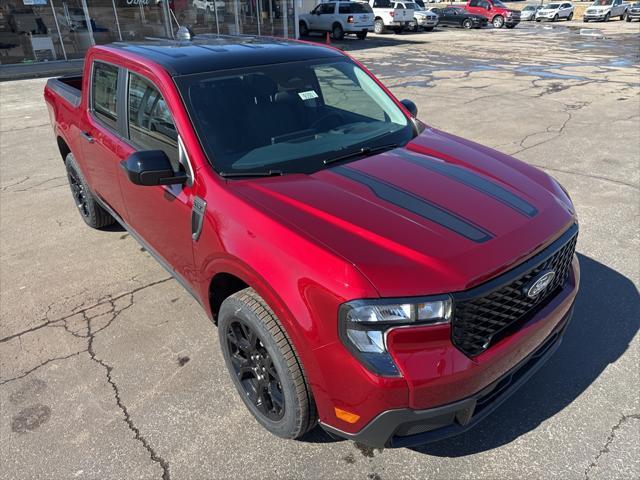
<point>495,12</point>
<point>393,281</point>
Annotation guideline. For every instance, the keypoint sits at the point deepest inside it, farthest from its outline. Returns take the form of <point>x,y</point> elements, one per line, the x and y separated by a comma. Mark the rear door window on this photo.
<point>104,93</point>
<point>151,126</point>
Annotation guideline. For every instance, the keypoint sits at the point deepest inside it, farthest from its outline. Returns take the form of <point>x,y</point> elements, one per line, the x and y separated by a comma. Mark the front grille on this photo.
<point>484,315</point>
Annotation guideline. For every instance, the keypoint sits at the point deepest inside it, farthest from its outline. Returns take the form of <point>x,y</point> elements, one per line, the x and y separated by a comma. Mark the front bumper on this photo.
<point>512,21</point>
<point>408,427</point>
<point>594,16</point>
<point>426,22</point>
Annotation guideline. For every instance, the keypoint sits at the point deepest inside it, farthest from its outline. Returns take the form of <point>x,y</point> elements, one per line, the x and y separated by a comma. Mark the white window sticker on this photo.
<point>308,95</point>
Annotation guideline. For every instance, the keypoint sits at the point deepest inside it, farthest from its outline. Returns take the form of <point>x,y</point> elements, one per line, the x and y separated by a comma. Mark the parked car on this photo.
<point>395,282</point>
<point>208,5</point>
<point>459,17</point>
<point>389,17</point>
<point>555,11</point>
<point>339,18</point>
<point>528,13</point>
<point>495,12</point>
<point>605,9</point>
<point>422,18</point>
<point>633,12</point>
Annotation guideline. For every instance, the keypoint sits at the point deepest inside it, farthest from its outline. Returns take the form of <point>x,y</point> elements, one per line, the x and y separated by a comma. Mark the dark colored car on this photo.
<point>459,17</point>
<point>392,281</point>
<point>633,13</point>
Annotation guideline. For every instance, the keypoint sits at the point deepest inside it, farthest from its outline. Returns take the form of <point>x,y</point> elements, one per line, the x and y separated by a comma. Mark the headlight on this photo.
<point>364,323</point>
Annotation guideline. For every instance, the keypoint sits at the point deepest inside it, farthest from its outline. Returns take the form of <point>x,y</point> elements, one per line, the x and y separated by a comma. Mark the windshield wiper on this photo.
<point>362,152</point>
<point>268,173</point>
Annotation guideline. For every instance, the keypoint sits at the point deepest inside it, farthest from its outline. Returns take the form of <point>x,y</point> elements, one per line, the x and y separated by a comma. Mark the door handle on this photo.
<point>87,136</point>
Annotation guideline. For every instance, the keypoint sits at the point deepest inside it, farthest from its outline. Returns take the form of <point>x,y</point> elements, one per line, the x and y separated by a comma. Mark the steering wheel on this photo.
<point>326,123</point>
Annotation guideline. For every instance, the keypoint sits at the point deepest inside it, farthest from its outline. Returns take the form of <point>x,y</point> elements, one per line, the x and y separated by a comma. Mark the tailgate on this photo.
<point>402,15</point>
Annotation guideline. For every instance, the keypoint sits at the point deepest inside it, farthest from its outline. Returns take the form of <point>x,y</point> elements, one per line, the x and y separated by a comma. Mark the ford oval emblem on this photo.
<point>540,283</point>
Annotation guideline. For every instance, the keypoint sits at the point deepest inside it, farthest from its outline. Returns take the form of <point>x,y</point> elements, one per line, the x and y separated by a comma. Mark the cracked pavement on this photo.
<point>108,369</point>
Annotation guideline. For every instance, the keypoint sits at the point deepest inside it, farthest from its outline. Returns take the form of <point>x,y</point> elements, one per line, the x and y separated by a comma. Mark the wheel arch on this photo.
<point>63,147</point>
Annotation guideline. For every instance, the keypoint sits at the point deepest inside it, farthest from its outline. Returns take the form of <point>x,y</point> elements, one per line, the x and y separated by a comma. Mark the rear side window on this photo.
<point>357,7</point>
<point>382,4</point>
<point>151,126</point>
<point>104,93</point>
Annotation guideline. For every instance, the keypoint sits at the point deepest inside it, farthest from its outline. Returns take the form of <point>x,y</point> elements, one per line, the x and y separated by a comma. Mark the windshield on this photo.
<point>602,3</point>
<point>290,117</point>
<point>411,6</point>
<point>528,8</point>
<point>552,6</point>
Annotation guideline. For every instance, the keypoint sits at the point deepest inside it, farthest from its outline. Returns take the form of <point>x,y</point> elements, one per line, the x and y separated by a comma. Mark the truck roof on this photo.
<point>210,52</point>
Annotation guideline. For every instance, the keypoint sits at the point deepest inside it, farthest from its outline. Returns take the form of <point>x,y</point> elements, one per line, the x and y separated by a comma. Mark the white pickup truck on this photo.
<point>387,17</point>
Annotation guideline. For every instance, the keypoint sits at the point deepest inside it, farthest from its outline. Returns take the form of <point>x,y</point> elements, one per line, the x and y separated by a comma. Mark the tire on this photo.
<point>91,212</point>
<point>429,29</point>
<point>413,26</point>
<point>378,26</point>
<point>538,20</point>
<point>607,17</point>
<point>623,16</point>
<point>585,20</point>
<point>498,21</point>
<point>337,32</point>
<point>510,26</point>
<point>570,17</point>
<point>285,405</point>
<point>468,24</point>
<point>555,18</point>
<point>398,30</point>
<point>304,31</point>
<point>628,19</point>
<point>361,35</point>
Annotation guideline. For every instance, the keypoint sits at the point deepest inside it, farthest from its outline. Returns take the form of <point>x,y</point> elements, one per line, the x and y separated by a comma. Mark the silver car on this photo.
<point>529,13</point>
<point>604,10</point>
<point>422,18</point>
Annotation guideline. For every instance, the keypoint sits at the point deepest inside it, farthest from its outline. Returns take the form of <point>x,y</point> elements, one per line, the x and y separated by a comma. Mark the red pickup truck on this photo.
<point>495,12</point>
<point>394,282</point>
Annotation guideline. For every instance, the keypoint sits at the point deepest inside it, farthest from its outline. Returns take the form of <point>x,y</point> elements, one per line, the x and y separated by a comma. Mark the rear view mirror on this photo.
<point>409,105</point>
<point>151,167</point>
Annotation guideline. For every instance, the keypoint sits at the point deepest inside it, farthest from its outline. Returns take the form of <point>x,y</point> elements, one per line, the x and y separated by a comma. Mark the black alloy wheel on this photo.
<point>255,370</point>
<point>78,192</point>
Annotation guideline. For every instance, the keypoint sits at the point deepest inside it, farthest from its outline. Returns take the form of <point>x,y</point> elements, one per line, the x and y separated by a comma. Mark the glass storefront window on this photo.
<point>50,30</point>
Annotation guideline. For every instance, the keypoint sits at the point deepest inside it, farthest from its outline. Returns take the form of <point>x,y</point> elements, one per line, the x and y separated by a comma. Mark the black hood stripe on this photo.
<point>472,180</point>
<point>417,205</point>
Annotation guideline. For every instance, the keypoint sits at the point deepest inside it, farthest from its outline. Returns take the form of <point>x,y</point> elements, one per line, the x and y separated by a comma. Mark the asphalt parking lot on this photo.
<point>108,369</point>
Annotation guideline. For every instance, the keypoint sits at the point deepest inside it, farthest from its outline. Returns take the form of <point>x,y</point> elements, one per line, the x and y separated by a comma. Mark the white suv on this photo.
<point>555,11</point>
<point>339,18</point>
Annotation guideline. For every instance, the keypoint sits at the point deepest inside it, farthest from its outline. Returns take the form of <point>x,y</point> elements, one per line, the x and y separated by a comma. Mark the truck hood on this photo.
<point>439,215</point>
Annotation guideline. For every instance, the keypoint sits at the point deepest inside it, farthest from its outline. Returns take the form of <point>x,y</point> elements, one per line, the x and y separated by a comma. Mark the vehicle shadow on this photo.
<point>605,320</point>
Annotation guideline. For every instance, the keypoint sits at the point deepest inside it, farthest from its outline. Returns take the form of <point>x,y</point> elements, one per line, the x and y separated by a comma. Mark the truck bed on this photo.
<point>68,87</point>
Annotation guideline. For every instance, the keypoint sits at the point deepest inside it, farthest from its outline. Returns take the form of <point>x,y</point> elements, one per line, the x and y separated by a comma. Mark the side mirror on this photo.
<point>488,7</point>
<point>409,105</point>
<point>150,168</point>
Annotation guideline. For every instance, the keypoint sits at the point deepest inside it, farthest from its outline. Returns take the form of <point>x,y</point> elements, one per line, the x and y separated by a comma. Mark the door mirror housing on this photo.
<point>151,168</point>
<point>409,105</point>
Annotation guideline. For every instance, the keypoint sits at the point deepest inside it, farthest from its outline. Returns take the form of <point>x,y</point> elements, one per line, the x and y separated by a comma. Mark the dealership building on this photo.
<point>36,32</point>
